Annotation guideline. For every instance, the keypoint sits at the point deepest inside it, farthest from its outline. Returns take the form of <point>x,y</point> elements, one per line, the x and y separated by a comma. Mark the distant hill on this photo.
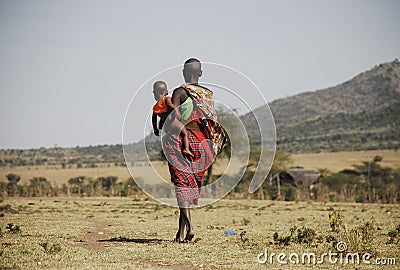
<point>88,155</point>
<point>362,113</point>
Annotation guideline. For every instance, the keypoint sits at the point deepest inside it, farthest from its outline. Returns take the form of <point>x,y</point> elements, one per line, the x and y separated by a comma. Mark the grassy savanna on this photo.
<point>58,175</point>
<point>333,161</point>
<point>122,233</point>
<point>336,161</point>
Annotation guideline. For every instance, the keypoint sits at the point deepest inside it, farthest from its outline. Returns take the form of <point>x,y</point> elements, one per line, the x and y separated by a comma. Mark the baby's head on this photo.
<point>159,90</point>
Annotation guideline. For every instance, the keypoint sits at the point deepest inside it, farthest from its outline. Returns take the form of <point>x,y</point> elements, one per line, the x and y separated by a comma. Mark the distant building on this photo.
<point>298,177</point>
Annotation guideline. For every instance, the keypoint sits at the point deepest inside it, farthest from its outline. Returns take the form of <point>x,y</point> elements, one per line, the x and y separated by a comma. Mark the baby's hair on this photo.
<point>158,84</point>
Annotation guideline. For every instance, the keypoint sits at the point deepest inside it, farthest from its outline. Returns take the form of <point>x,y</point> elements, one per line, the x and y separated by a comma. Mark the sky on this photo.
<point>69,69</point>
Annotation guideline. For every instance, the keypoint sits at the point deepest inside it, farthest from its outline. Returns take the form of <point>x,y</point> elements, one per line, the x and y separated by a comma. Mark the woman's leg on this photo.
<point>181,230</point>
<point>188,223</point>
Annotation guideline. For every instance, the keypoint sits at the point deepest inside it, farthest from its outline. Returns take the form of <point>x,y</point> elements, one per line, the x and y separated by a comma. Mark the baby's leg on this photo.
<point>177,125</point>
<point>185,140</point>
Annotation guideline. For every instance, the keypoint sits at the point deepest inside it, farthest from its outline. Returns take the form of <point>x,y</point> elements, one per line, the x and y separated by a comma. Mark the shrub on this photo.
<point>289,192</point>
<point>50,249</point>
<point>13,228</point>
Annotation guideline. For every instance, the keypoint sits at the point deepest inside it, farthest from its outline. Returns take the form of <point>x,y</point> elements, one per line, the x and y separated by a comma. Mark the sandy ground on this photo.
<point>126,233</point>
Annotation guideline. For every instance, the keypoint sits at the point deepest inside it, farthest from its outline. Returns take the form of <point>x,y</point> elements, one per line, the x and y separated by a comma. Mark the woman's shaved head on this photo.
<point>192,70</point>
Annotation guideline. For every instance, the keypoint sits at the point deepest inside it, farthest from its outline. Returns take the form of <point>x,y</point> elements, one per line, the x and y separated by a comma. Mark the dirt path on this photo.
<point>91,238</point>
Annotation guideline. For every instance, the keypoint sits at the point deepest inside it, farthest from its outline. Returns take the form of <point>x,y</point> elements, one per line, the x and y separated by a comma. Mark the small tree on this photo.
<point>77,182</point>
<point>13,178</point>
<point>39,186</point>
<point>282,162</point>
<point>289,192</point>
<point>107,183</point>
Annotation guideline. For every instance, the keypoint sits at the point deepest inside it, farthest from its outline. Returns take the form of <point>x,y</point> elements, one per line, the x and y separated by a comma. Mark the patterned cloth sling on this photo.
<point>203,99</point>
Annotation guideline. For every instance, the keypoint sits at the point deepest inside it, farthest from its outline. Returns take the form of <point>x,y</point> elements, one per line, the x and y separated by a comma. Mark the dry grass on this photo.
<point>336,161</point>
<point>58,176</point>
<point>115,233</point>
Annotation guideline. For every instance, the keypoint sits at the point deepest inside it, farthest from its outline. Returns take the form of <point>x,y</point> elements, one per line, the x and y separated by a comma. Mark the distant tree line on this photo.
<point>365,182</point>
<point>76,186</point>
<point>57,155</point>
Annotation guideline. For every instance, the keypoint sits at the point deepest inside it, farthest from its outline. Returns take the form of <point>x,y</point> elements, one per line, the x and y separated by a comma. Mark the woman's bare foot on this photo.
<point>179,237</point>
<point>187,152</point>
<point>189,235</point>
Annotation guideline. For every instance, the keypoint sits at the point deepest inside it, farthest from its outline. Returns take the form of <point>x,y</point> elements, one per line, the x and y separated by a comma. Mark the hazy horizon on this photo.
<point>70,68</point>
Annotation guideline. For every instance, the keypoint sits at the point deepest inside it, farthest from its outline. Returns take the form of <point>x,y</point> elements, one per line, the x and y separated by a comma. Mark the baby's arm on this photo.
<point>169,103</point>
<point>154,122</point>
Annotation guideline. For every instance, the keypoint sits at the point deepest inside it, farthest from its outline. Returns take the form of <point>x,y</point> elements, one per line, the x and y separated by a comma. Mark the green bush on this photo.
<point>289,192</point>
